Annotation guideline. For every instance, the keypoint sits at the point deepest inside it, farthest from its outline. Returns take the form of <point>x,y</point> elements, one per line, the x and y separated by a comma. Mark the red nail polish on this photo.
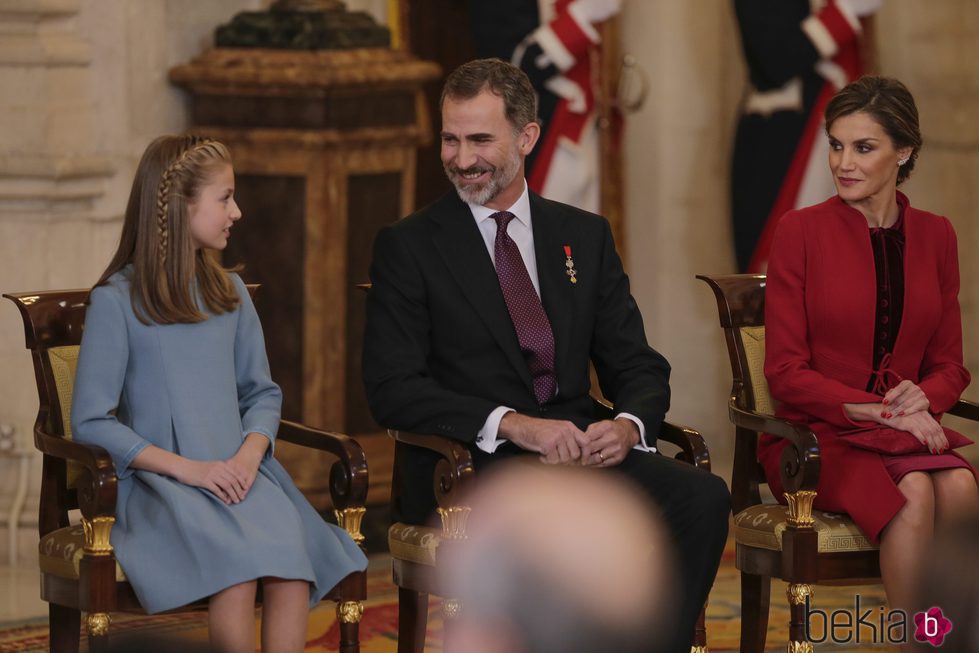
<point>885,402</point>
<point>883,414</point>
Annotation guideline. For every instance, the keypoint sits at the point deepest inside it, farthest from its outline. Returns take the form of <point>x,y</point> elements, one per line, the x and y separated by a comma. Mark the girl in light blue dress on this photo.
<point>173,381</point>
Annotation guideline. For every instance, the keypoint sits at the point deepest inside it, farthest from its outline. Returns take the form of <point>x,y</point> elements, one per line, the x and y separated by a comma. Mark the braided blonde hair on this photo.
<point>175,169</point>
<point>156,240</point>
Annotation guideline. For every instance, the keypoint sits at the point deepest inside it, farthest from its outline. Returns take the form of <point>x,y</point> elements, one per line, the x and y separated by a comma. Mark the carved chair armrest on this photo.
<point>348,475</point>
<point>799,468</point>
<point>965,409</point>
<point>453,473</point>
<point>693,448</point>
<point>97,484</point>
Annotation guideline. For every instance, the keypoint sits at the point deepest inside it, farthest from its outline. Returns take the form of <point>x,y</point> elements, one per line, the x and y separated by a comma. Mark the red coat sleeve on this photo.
<point>943,378</point>
<point>791,379</point>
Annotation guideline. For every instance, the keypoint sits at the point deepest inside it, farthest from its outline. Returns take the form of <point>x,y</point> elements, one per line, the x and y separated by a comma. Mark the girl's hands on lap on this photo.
<point>904,399</point>
<point>248,459</point>
<point>229,480</point>
<point>225,480</point>
<point>245,465</point>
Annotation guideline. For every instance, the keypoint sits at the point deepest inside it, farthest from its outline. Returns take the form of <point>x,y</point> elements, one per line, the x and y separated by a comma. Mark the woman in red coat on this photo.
<point>863,331</point>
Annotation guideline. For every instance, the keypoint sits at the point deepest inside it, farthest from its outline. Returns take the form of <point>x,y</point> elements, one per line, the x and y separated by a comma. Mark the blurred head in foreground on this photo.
<point>559,560</point>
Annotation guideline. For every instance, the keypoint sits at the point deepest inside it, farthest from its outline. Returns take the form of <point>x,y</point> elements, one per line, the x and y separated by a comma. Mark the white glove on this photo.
<point>595,11</point>
<point>861,7</point>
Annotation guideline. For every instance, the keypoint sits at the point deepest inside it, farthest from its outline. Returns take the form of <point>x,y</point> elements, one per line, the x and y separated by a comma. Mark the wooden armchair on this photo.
<point>792,542</point>
<point>79,572</point>
<point>415,549</point>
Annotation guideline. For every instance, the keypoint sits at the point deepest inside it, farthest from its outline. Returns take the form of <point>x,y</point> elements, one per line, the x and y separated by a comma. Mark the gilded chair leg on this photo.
<point>797,594</point>
<point>349,614</point>
<point>755,596</point>
<point>700,633</point>
<point>412,620</point>
<point>451,609</point>
<point>63,629</point>
<point>97,626</point>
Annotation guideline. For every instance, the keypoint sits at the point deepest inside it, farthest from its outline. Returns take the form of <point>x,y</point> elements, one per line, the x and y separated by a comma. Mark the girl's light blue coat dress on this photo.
<point>195,390</point>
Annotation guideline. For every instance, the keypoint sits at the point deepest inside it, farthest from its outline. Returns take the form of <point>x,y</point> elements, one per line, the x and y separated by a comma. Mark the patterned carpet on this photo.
<point>380,622</point>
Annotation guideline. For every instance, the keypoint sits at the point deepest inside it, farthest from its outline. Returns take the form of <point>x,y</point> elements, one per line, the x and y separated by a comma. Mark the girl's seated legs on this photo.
<point>285,611</point>
<point>231,619</point>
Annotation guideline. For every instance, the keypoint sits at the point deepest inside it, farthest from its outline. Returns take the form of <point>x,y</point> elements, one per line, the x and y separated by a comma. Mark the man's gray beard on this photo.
<point>499,180</point>
<point>479,196</point>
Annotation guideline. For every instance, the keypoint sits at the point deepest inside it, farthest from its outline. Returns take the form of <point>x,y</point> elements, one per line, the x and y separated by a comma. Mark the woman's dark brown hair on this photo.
<point>168,273</point>
<point>890,103</point>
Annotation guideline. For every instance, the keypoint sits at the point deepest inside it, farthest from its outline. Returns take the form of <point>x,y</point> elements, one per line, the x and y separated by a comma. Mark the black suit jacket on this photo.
<point>440,351</point>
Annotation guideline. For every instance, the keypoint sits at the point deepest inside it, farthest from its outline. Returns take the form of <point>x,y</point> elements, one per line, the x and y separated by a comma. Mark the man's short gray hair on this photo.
<point>500,78</point>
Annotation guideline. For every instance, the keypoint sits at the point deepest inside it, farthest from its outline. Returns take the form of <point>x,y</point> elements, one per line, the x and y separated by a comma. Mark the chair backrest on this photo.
<point>741,308</point>
<point>53,322</point>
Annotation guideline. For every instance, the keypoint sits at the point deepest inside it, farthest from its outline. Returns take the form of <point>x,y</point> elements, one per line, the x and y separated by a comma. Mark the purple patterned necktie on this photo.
<point>529,319</point>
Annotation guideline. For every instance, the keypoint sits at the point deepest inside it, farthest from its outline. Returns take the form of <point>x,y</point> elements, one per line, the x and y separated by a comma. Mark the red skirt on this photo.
<point>899,466</point>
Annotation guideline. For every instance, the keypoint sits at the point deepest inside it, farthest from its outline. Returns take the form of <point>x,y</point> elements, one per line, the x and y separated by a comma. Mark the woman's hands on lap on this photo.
<point>906,409</point>
<point>904,399</point>
<point>922,426</point>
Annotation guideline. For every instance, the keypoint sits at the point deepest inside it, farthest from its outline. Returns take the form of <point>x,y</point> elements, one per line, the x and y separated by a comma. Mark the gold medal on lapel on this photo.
<point>569,264</point>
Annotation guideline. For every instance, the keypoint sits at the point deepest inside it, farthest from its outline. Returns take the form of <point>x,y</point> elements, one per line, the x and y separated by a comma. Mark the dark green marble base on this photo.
<point>337,29</point>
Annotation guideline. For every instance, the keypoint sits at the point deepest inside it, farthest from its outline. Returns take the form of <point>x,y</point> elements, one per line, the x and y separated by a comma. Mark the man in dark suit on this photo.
<point>485,310</point>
